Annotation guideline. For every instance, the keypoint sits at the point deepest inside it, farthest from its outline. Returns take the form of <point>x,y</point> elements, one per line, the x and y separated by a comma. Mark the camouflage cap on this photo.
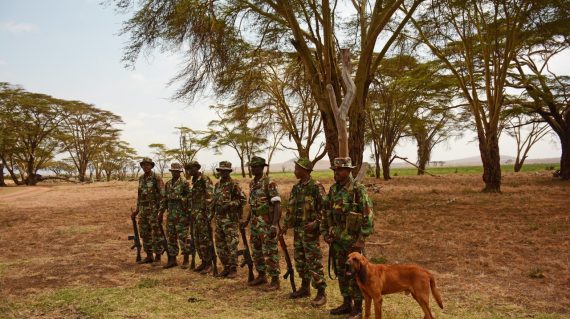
<point>193,164</point>
<point>176,167</point>
<point>146,160</point>
<point>304,163</point>
<point>224,166</point>
<point>342,162</point>
<point>257,161</point>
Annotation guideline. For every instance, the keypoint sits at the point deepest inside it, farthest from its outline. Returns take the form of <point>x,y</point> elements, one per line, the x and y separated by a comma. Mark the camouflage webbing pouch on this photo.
<point>353,223</point>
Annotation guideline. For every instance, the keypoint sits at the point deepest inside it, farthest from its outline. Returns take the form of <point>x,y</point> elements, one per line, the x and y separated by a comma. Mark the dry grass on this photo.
<point>65,254</point>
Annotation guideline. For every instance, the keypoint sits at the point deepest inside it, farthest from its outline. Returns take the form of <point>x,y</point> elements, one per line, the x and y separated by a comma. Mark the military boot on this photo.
<point>320,299</point>
<point>273,285</point>
<point>171,262</point>
<point>303,292</point>
<point>147,260</point>
<point>185,262</point>
<point>207,269</point>
<point>157,258</point>
<point>356,312</point>
<point>233,272</point>
<point>260,280</point>
<point>201,267</point>
<point>224,272</point>
<point>343,309</point>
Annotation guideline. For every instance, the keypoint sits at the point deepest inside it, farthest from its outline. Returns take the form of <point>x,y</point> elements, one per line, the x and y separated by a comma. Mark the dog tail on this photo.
<point>434,291</point>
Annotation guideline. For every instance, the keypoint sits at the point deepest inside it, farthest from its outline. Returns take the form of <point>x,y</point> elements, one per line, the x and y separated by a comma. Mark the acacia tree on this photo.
<point>162,156</point>
<point>398,92</point>
<point>238,129</point>
<point>548,92</point>
<point>31,148</point>
<point>220,34</point>
<point>477,41</point>
<point>85,129</point>
<point>535,131</point>
<point>190,142</point>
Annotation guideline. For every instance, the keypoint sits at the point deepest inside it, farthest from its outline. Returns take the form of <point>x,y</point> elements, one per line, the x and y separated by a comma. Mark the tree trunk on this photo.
<point>11,172</point>
<point>518,164</point>
<point>2,183</point>
<point>242,167</point>
<point>376,162</point>
<point>81,171</point>
<point>356,142</point>
<point>423,157</point>
<point>489,148</point>
<point>386,167</point>
<point>31,180</point>
<point>565,158</point>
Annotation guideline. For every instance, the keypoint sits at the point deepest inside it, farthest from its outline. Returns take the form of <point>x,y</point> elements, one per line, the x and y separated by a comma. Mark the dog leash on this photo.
<point>332,260</point>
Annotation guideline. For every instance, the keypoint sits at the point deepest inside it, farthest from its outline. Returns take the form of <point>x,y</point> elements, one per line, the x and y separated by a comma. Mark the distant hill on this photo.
<point>289,165</point>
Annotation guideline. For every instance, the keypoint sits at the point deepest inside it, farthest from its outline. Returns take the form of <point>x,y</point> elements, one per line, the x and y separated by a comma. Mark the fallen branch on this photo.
<point>414,165</point>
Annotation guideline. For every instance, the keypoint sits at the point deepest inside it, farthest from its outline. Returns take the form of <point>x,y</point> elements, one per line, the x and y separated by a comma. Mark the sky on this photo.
<point>71,49</point>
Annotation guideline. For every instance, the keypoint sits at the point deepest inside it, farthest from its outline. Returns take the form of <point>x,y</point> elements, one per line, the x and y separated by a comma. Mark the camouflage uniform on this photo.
<point>348,219</point>
<point>264,249</point>
<point>149,197</point>
<point>227,203</point>
<point>176,201</point>
<point>305,206</point>
<point>200,201</point>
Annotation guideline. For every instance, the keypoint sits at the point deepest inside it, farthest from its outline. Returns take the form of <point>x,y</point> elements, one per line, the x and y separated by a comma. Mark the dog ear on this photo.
<point>361,271</point>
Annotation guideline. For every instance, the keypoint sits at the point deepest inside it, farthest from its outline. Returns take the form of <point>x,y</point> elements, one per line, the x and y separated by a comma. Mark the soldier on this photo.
<point>200,202</point>
<point>347,222</point>
<point>148,201</point>
<point>304,214</point>
<point>176,193</point>
<point>265,212</point>
<point>228,201</point>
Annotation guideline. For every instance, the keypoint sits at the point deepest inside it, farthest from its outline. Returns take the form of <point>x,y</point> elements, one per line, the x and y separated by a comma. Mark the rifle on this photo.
<point>136,238</point>
<point>163,242</point>
<point>191,243</point>
<point>213,249</point>
<point>247,260</point>
<point>290,272</point>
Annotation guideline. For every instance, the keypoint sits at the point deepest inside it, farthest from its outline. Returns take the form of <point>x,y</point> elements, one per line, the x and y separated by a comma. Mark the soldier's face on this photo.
<point>257,170</point>
<point>341,174</point>
<point>300,172</point>
<point>175,174</point>
<point>193,170</point>
<point>147,167</point>
<point>224,173</point>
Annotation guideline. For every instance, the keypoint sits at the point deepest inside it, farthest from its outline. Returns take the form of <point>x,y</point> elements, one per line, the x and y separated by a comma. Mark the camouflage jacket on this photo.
<point>261,194</point>
<point>150,190</point>
<point>228,198</point>
<point>201,194</point>
<point>305,203</point>
<point>348,212</point>
<point>176,194</point>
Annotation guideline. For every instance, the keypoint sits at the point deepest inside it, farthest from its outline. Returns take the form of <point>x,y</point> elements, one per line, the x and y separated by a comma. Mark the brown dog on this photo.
<point>377,280</point>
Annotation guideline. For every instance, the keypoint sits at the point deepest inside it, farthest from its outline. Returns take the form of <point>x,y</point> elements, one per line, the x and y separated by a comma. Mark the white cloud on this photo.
<point>2,62</point>
<point>14,27</point>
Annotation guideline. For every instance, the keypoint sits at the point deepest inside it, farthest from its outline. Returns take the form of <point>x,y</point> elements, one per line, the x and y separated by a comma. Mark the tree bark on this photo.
<point>386,167</point>
<point>376,161</point>
<point>565,158</point>
<point>489,148</point>
<point>31,180</point>
<point>2,183</point>
<point>423,156</point>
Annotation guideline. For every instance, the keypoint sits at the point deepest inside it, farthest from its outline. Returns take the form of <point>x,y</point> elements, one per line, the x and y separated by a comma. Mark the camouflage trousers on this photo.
<point>204,244</point>
<point>263,248</point>
<point>149,229</point>
<point>308,257</point>
<point>347,284</point>
<point>227,240</point>
<point>177,229</point>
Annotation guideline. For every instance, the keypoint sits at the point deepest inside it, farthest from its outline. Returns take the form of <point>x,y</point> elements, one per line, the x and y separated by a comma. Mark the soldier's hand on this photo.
<point>272,231</point>
<point>310,226</point>
<point>328,239</point>
<point>283,231</point>
<point>358,246</point>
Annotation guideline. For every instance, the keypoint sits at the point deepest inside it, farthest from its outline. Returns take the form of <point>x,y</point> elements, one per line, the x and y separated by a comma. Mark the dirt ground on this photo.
<point>503,249</point>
